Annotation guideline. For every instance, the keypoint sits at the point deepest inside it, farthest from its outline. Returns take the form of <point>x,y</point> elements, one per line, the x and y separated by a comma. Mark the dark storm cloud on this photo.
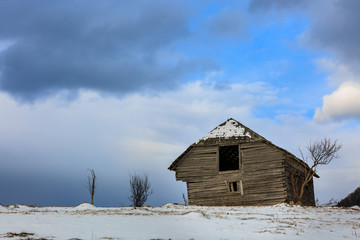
<point>111,46</point>
<point>228,23</point>
<point>336,28</point>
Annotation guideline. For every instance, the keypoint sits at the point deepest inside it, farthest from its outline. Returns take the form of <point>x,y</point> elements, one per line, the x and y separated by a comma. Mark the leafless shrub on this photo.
<point>90,184</point>
<point>331,203</point>
<point>319,153</point>
<point>317,202</point>
<point>22,234</point>
<point>185,200</point>
<point>140,189</point>
<point>160,238</point>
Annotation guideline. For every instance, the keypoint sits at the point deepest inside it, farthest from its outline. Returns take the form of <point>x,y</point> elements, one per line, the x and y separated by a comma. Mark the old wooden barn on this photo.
<point>233,165</point>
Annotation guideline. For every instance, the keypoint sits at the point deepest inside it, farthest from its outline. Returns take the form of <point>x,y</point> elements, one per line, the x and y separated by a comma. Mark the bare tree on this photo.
<point>140,189</point>
<point>319,153</point>
<point>185,200</point>
<point>90,184</point>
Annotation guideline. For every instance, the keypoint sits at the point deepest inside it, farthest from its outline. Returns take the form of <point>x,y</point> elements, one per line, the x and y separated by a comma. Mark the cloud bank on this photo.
<point>53,143</point>
<point>115,46</point>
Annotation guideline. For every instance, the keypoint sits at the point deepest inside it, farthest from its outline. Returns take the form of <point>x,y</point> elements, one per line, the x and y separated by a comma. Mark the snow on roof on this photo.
<point>230,128</point>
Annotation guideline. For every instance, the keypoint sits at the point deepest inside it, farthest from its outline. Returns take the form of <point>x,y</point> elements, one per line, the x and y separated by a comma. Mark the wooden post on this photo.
<point>241,188</point>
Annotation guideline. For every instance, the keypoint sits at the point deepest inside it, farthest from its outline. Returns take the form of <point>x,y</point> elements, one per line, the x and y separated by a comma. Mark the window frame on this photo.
<point>218,159</point>
<point>239,187</point>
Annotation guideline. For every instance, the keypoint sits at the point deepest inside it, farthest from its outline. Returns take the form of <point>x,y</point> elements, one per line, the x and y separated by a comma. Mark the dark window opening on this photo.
<point>233,186</point>
<point>229,158</point>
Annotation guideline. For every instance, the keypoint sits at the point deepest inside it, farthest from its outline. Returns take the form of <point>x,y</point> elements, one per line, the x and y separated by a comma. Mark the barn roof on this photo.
<point>232,130</point>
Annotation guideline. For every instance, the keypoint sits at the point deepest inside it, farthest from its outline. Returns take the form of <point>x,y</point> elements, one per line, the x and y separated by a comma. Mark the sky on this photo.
<point>124,87</point>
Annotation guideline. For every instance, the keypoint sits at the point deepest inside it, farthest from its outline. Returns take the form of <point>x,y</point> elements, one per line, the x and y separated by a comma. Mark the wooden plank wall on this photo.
<point>262,174</point>
<point>308,196</point>
<point>200,161</point>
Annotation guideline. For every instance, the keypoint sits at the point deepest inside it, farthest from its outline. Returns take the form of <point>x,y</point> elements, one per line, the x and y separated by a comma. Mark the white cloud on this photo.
<point>341,104</point>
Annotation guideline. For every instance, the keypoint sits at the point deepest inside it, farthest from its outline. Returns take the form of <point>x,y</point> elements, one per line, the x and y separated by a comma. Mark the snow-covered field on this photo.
<point>179,222</point>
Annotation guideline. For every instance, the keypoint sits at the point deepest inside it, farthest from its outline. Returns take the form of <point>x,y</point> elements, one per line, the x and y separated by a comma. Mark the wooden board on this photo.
<point>262,173</point>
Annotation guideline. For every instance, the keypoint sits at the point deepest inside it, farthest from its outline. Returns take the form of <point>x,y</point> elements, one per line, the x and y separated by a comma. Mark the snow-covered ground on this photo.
<point>179,222</point>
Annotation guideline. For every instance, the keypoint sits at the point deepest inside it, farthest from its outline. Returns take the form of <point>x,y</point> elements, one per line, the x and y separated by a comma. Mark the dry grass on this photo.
<point>23,236</point>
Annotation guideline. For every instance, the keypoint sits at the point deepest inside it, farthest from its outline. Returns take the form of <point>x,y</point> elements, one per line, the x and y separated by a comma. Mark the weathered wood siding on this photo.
<point>199,162</point>
<point>262,174</point>
<point>292,166</point>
